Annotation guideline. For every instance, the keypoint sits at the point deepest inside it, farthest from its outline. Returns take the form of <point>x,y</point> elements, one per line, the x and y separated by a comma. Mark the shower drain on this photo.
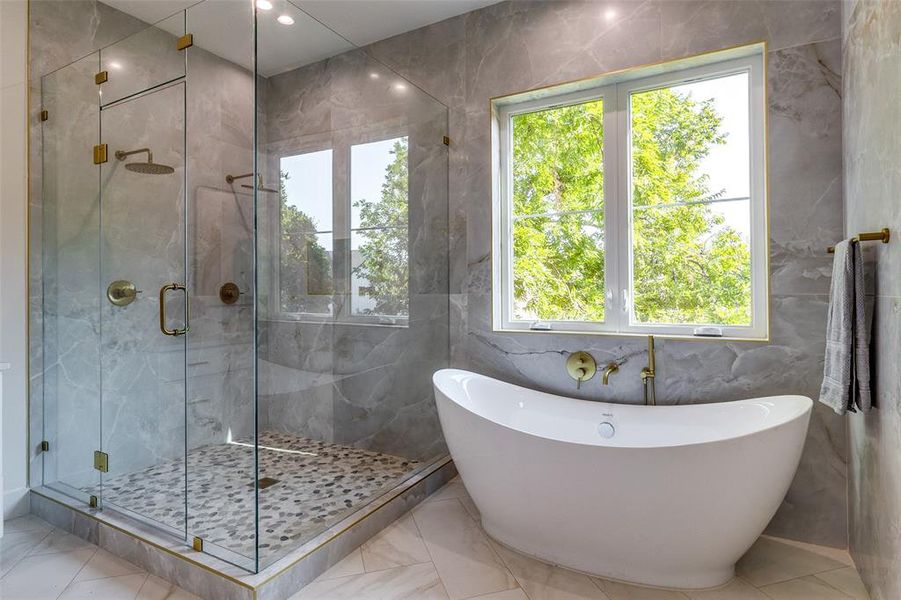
<point>265,482</point>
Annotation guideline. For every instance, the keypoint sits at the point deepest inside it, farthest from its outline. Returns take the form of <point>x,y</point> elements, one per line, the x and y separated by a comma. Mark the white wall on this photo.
<point>13,183</point>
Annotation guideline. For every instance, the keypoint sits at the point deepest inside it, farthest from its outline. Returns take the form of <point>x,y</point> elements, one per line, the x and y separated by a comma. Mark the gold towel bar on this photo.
<point>868,236</point>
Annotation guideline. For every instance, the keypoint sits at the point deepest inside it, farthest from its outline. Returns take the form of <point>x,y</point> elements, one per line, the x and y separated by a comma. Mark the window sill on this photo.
<point>618,334</point>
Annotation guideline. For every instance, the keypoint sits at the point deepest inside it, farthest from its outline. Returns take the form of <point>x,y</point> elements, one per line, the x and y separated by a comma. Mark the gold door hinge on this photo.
<point>197,544</point>
<point>45,115</point>
<point>99,154</point>
<point>101,77</point>
<point>101,461</point>
<point>446,141</point>
<point>185,41</point>
<point>93,502</point>
<point>45,446</point>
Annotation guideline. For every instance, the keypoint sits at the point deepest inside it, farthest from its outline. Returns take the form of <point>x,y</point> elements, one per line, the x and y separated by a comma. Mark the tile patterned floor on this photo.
<point>437,551</point>
<point>38,562</point>
<point>318,485</point>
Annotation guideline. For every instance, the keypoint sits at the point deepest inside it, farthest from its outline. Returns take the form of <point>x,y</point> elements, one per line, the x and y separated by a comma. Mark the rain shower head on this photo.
<point>146,168</point>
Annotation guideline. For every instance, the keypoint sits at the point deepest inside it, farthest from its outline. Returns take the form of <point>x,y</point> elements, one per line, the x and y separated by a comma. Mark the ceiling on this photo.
<point>321,28</point>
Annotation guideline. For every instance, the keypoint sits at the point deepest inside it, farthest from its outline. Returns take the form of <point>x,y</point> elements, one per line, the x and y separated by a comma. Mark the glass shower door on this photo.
<point>144,309</point>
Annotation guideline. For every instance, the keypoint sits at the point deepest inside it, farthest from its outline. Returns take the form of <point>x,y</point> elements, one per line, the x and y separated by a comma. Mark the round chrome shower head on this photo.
<point>146,168</point>
<point>149,168</point>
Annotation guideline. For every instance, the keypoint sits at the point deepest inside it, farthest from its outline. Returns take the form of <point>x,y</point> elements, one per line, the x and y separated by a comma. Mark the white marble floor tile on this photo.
<point>123,587</point>
<point>44,576</point>
<point>352,564</point>
<point>737,589</point>
<point>103,564</point>
<point>155,588</point>
<point>771,561</point>
<point>516,594</point>
<point>461,551</point>
<point>455,489</point>
<point>15,545</point>
<point>623,591</point>
<point>839,554</point>
<point>396,546</point>
<point>846,580</point>
<point>414,582</point>
<point>60,541</point>
<point>805,588</point>
<point>26,523</point>
<point>541,581</point>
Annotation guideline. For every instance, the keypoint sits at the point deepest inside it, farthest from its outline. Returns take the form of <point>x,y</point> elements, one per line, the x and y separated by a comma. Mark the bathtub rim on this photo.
<point>804,412</point>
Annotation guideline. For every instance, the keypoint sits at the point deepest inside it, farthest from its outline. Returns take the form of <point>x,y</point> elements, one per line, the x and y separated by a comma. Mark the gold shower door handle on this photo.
<point>163,290</point>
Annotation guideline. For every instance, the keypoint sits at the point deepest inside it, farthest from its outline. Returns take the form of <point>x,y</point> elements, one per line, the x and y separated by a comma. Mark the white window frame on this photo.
<point>615,91</point>
<point>340,145</point>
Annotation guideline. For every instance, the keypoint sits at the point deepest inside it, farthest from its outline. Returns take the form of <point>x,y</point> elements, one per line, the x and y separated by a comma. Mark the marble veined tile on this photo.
<point>60,541</point>
<point>623,591</point>
<point>846,580</point>
<point>15,545</point>
<point>805,588</point>
<point>516,594</point>
<point>737,589</point>
<point>771,561</point>
<point>415,582</point>
<point>122,587</point>
<point>104,564</point>
<point>461,551</point>
<point>542,581</point>
<point>160,589</point>
<point>26,523</point>
<point>352,564</point>
<point>43,576</point>
<point>397,545</point>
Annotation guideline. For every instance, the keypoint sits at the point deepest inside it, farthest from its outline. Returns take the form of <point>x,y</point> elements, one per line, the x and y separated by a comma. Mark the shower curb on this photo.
<point>214,579</point>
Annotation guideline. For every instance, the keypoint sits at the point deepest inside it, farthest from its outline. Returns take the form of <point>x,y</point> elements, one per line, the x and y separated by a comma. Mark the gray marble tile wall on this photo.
<point>515,46</point>
<point>367,385</point>
<point>214,368</point>
<point>872,154</point>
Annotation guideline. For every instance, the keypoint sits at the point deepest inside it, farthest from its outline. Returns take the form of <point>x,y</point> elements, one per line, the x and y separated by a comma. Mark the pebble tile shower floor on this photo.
<point>317,484</point>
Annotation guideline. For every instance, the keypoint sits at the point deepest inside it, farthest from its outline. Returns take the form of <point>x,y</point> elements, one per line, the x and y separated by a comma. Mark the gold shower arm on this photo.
<point>122,155</point>
<point>868,236</point>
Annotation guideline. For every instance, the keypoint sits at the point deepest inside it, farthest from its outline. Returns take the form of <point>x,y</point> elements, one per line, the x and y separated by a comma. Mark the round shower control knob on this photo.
<point>606,430</point>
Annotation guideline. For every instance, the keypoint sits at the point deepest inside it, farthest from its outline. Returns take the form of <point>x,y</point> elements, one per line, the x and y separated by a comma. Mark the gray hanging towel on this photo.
<point>846,372</point>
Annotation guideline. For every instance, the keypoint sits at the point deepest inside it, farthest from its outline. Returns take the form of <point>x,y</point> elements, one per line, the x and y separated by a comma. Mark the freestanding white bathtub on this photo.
<point>668,496</point>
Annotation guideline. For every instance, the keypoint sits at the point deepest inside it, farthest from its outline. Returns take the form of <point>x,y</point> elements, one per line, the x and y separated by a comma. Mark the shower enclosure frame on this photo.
<point>95,504</point>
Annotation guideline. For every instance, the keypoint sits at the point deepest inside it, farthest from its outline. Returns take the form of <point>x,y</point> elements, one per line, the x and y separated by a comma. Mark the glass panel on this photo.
<point>305,278</point>
<point>339,397</point>
<point>144,60</point>
<point>71,278</point>
<point>558,267</point>
<point>692,264</point>
<point>142,242</point>
<point>690,182</point>
<point>379,239</point>
<point>220,187</point>
<point>558,159</point>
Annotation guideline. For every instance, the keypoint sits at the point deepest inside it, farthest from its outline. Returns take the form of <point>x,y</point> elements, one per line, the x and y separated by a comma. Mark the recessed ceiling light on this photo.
<point>285,20</point>
<point>264,5</point>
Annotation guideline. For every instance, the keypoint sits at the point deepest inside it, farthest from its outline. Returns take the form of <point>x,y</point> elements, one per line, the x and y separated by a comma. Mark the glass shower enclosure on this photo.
<point>244,279</point>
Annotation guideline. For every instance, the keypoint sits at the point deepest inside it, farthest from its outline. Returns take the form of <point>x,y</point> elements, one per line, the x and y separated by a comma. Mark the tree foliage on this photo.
<point>688,265</point>
<point>384,254</point>
<point>305,265</point>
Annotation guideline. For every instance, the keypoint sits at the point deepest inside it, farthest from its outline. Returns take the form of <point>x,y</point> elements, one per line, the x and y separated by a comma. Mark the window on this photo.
<point>635,203</point>
<point>344,233</point>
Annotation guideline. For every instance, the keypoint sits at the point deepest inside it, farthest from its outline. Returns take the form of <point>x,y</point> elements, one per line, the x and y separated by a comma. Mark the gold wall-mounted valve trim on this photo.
<point>122,292</point>
<point>100,154</point>
<point>101,77</point>
<point>185,41</point>
<point>581,366</point>
<point>229,293</point>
